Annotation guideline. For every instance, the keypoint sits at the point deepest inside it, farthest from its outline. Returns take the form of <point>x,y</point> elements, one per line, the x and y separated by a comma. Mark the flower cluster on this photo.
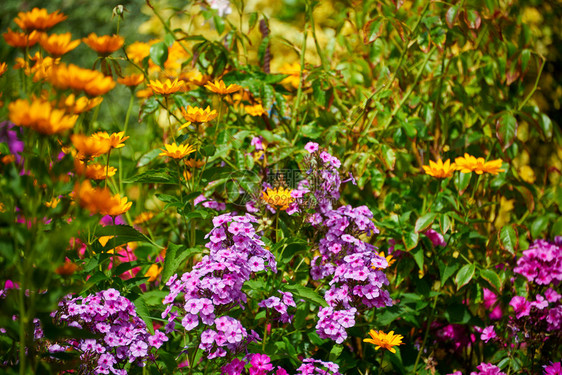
<point>279,306</point>
<point>544,312</point>
<point>487,369</point>
<point>214,286</point>
<point>541,263</point>
<point>209,203</point>
<point>355,268</point>
<point>311,366</point>
<point>122,336</point>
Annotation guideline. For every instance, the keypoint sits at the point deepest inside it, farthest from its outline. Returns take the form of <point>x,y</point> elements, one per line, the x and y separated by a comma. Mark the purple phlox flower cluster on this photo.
<point>258,143</point>
<point>323,178</point>
<point>313,366</point>
<point>435,237</point>
<point>552,369</point>
<point>209,203</point>
<point>355,267</point>
<point>541,263</point>
<point>11,137</point>
<point>123,336</point>
<point>332,324</point>
<point>544,309</point>
<point>214,286</point>
<point>278,306</point>
<point>487,369</point>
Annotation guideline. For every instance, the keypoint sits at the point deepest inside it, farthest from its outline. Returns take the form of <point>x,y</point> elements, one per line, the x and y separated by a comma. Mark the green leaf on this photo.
<point>418,257</point>
<point>447,270</point>
<point>307,294</point>
<point>506,129</point>
<point>175,256</point>
<point>219,24</point>
<point>159,53</point>
<point>464,275</point>
<point>335,353</point>
<point>546,125</point>
<point>508,239</point>
<point>123,234</point>
<point>451,16</point>
<point>461,181</point>
<point>388,156</point>
<point>142,311</point>
<point>411,240</point>
<point>373,29</point>
<point>424,221</point>
<point>491,277</point>
<point>473,19</point>
<point>252,21</point>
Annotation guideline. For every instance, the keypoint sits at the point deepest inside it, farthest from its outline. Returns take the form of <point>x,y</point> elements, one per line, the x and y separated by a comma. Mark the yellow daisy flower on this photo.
<point>278,197</point>
<point>104,45</point>
<point>440,169</point>
<point>218,87</point>
<point>384,340</point>
<point>196,114</point>
<point>177,152</point>
<point>167,87</point>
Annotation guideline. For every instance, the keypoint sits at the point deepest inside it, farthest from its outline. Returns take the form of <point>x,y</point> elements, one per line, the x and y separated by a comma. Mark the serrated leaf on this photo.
<point>389,157</point>
<point>461,181</point>
<point>411,240</point>
<point>508,239</point>
<point>472,18</point>
<point>506,129</point>
<point>175,256</point>
<point>465,274</point>
<point>335,353</point>
<point>373,29</point>
<point>142,311</point>
<point>451,16</point>
<point>491,277</point>
<point>159,53</point>
<point>419,257</point>
<point>306,294</point>
<point>424,221</point>
<point>122,234</point>
<point>446,270</point>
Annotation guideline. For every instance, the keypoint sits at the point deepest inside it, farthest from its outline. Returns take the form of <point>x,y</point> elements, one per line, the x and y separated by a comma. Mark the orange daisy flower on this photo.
<point>21,40</point>
<point>104,45</point>
<point>40,116</point>
<point>115,140</point>
<point>167,87</point>
<point>131,80</point>
<point>89,147</point>
<point>278,197</point>
<point>220,88</point>
<point>58,44</point>
<point>38,19</point>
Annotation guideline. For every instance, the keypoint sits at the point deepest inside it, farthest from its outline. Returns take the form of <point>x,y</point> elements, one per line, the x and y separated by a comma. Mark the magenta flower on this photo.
<point>521,306</point>
<point>488,334</point>
<point>311,147</point>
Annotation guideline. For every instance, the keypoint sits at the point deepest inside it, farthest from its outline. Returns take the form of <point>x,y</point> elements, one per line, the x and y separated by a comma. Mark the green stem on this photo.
<point>405,98</point>
<point>534,87</point>
<point>310,9</point>
<point>22,356</point>
<point>426,332</point>
<point>299,90</point>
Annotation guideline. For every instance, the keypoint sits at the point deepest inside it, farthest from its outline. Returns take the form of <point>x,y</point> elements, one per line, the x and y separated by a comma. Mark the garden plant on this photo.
<point>280,187</point>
